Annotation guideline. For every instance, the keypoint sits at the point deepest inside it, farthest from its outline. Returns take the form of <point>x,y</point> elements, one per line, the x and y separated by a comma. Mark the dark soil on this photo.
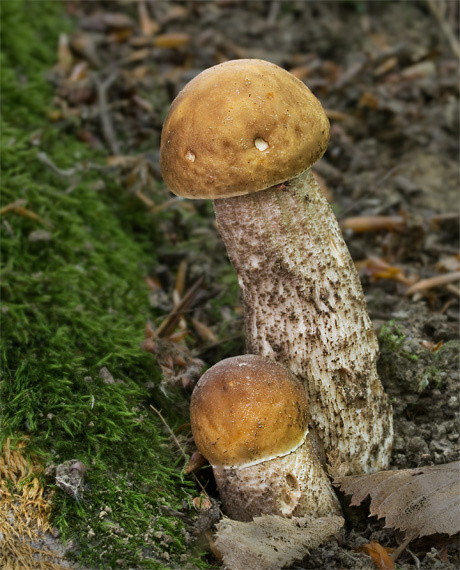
<point>386,74</point>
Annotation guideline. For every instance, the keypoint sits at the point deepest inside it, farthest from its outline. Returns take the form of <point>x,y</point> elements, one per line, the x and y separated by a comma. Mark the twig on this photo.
<point>416,560</point>
<point>106,121</point>
<point>435,9</point>
<point>71,173</point>
<point>18,208</point>
<point>454,290</point>
<point>68,173</point>
<point>397,553</point>
<point>173,435</point>
<point>432,282</point>
<point>179,446</point>
<point>169,324</point>
<point>273,13</point>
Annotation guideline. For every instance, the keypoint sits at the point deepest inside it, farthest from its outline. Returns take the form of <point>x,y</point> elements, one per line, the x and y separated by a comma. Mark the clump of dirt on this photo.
<point>421,376</point>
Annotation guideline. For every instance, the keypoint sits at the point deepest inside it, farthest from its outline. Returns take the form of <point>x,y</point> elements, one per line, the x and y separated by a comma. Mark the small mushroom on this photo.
<point>249,418</point>
<point>245,133</point>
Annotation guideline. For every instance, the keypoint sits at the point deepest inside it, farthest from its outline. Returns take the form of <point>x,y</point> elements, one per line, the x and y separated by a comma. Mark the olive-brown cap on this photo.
<point>240,127</point>
<point>248,409</point>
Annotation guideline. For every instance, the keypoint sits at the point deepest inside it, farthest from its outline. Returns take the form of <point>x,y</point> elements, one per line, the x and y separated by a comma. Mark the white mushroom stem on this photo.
<point>304,307</point>
<point>292,485</point>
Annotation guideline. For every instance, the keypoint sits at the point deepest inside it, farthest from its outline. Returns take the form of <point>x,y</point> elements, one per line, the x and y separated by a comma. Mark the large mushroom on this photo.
<point>249,418</point>
<point>245,133</point>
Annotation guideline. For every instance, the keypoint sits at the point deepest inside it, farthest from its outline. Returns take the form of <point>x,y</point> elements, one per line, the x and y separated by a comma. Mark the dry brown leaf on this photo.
<point>147,25</point>
<point>203,331</point>
<point>103,21</point>
<point>65,58</point>
<point>195,462</point>
<point>449,263</point>
<point>172,40</point>
<point>84,45</point>
<point>378,554</point>
<point>377,268</point>
<point>373,223</point>
<point>419,501</point>
<point>370,100</point>
<point>270,542</point>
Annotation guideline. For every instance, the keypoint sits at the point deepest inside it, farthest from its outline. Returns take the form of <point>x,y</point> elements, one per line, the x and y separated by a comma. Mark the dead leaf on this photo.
<point>368,99</point>
<point>378,554</point>
<point>147,25</point>
<point>171,40</point>
<point>421,69</point>
<point>202,503</point>
<point>419,501</point>
<point>195,462</point>
<point>377,268</point>
<point>271,542</point>
<point>79,72</point>
<point>64,54</point>
<point>302,71</point>
<point>386,66</point>
<point>429,345</point>
<point>449,263</point>
<point>84,45</point>
<point>180,278</point>
<point>203,331</point>
<point>373,223</point>
<point>103,21</point>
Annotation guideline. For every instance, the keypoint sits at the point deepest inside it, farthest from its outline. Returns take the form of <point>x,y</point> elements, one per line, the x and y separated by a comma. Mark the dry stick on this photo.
<point>433,282</point>
<point>452,289</point>
<point>184,455</point>
<point>416,560</point>
<point>435,8</point>
<point>68,173</point>
<point>107,127</point>
<point>397,553</point>
<point>18,208</point>
<point>169,324</point>
<point>273,12</point>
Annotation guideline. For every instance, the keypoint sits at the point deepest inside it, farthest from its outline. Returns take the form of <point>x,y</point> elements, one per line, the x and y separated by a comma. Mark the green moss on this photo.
<point>393,341</point>
<point>74,301</point>
<point>406,361</point>
<point>447,356</point>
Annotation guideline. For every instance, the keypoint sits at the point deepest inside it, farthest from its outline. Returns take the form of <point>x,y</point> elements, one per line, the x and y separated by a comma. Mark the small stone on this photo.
<point>452,403</point>
<point>40,235</point>
<point>106,376</point>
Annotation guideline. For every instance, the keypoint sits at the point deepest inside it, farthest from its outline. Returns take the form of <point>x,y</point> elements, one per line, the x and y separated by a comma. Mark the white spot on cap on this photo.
<point>190,156</point>
<point>260,144</point>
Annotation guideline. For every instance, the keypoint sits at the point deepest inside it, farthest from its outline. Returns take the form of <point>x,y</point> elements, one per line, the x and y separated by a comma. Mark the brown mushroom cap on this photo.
<point>246,410</point>
<point>240,127</point>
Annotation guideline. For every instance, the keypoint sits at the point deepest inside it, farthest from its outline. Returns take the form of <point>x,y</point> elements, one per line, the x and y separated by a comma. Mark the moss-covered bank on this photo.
<point>74,301</point>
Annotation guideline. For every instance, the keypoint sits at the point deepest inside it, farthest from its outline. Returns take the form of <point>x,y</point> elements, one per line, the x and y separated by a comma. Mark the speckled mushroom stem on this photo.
<point>304,307</point>
<point>292,485</point>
